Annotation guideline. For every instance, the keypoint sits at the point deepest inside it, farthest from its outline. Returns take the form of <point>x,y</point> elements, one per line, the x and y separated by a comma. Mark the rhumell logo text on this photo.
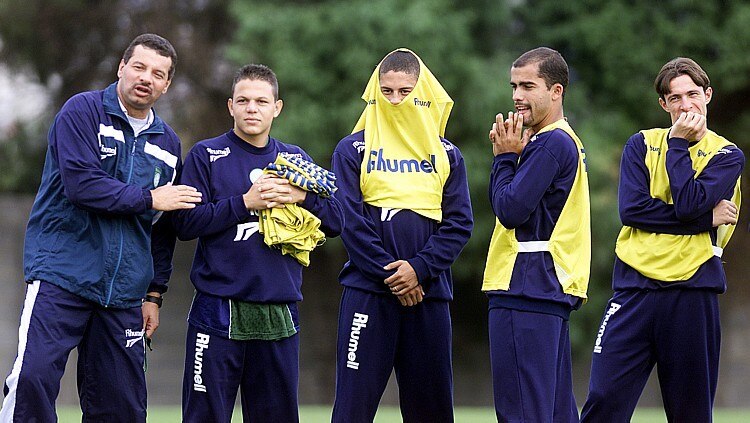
<point>380,163</point>
<point>201,343</point>
<point>217,154</point>
<point>359,322</point>
<point>613,307</point>
<point>418,102</point>
<point>106,151</point>
<point>133,337</point>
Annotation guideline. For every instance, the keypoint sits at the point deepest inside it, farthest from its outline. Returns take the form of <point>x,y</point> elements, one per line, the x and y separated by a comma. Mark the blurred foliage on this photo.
<point>324,52</point>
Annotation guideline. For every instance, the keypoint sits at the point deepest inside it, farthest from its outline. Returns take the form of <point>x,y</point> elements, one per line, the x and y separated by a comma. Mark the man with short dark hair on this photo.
<point>243,323</point>
<point>679,199</point>
<point>94,271</point>
<point>408,216</point>
<point>538,262</point>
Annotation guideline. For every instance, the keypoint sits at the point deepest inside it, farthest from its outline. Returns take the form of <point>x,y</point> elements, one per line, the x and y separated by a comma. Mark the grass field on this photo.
<point>321,414</point>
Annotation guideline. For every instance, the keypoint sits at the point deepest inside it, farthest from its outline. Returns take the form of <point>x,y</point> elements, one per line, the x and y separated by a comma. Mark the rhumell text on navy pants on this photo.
<point>677,330</point>
<point>377,335</point>
<point>531,368</point>
<point>215,368</point>
<point>111,353</point>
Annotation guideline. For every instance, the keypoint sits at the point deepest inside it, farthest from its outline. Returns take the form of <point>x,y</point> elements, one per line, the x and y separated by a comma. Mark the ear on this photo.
<point>663,104</point>
<point>279,105</point>
<point>709,94</point>
<point>557,91</point>
<point>119,69</point>
<point>229,106</point>
<point>166,87</point>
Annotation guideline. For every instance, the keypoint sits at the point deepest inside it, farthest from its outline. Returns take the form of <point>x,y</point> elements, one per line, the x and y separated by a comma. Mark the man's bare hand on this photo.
<point>725,213</point>
<point>690,126</point>
<point>270,191</point>
<point>413,297</point>
<point>404,279</point>
<point>174,197</point>
<point>150,313</point>
<point>507,135</point>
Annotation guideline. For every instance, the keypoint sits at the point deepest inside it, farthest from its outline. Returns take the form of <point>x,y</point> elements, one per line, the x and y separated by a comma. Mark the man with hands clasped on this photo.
<point>679,197</point>
<point>405,196</point>
<point>538,262</point>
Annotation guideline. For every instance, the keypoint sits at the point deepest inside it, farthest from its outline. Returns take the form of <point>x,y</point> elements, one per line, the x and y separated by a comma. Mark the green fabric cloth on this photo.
<point>267,322</point>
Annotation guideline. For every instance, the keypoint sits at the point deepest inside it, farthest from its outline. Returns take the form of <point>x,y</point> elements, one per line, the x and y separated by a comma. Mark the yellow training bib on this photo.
<point>570,242</point>
<point>667,257</point>
<point>405,164</point>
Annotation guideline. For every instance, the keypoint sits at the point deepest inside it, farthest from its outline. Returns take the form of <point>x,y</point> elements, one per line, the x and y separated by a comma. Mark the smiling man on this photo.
<point>243,322</point>
<point>679,200</point>
<point>539,258</point>
<point>90,254</point>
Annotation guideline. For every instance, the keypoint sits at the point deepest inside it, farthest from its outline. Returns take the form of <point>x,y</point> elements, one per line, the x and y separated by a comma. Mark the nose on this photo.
<point>395,98</point>
<point>517,95</point>
<point>685,104</point>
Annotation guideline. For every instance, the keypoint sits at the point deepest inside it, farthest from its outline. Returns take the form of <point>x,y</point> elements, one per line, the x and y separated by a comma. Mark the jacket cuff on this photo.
<point>678,143</point>
<point>157,286</point>
<point>239,209</point>
<point>310,202</point>
<point>420,268</point>
<point>148,199</point>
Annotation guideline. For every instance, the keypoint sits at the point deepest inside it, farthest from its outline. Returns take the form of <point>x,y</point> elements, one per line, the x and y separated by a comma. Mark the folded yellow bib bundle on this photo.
<point>293,229</point>
<point>405,164</point>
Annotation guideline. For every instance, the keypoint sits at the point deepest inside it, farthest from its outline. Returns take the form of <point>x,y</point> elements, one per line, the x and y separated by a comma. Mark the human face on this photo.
<point>143,80</point>
<point>685,96</point>
<point>538,104</point>
<point>253,108</point>
<point>396,86</point>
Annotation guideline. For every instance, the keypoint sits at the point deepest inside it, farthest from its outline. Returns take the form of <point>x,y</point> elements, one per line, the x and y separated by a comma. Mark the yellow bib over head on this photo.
<point>667,257</point>
<point>405,164</point>
<point>570,242</point>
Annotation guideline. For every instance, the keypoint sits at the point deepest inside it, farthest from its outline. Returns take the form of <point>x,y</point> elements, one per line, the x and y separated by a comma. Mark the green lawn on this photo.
<point>322,413</point>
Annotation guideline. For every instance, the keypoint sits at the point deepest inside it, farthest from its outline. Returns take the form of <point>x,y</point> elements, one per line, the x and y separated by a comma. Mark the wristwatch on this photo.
<point>153,299</point>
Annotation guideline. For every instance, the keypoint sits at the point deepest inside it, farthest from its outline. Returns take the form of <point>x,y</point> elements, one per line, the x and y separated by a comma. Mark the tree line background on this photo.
<point>323,53</point>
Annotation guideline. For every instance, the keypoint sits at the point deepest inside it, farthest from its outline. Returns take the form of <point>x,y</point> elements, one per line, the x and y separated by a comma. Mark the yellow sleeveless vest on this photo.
<point>667,257</point>
<point>569,244</point>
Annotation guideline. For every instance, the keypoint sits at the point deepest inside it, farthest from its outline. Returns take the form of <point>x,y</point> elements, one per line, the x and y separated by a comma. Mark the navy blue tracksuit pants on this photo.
<point>111,354</point>
<point>265,372</point>
<point>531,367</point>
<point>678,330</point>
<point>377,335</point>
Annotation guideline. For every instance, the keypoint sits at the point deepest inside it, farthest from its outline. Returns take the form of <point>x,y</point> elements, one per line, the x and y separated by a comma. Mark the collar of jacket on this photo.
<point>112,108</point>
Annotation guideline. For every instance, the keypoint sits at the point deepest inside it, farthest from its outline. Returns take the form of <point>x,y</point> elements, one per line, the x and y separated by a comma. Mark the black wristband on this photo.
<point>153,299</point>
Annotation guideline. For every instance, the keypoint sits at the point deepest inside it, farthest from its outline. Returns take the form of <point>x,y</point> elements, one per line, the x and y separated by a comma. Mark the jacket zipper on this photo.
<point>119,225</point>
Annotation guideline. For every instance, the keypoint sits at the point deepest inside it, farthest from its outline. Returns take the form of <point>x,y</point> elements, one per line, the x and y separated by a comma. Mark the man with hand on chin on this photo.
<point>679,198</point>
<point>538,262</point>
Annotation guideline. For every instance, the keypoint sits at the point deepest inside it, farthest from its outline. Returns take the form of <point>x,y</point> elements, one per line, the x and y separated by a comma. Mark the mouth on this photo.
<point>142,90</point>
<point>522,109</point>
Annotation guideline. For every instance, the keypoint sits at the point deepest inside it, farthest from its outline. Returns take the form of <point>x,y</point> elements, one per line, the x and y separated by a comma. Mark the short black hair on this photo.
<point>677,67</point>
<point>156,43</point>
<point>552,67</point>
<point>257,72</point>
<point>400,61</point>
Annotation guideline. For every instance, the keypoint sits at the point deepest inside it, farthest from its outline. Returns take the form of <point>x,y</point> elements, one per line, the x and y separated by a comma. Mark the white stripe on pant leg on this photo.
<point>9,403</point>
